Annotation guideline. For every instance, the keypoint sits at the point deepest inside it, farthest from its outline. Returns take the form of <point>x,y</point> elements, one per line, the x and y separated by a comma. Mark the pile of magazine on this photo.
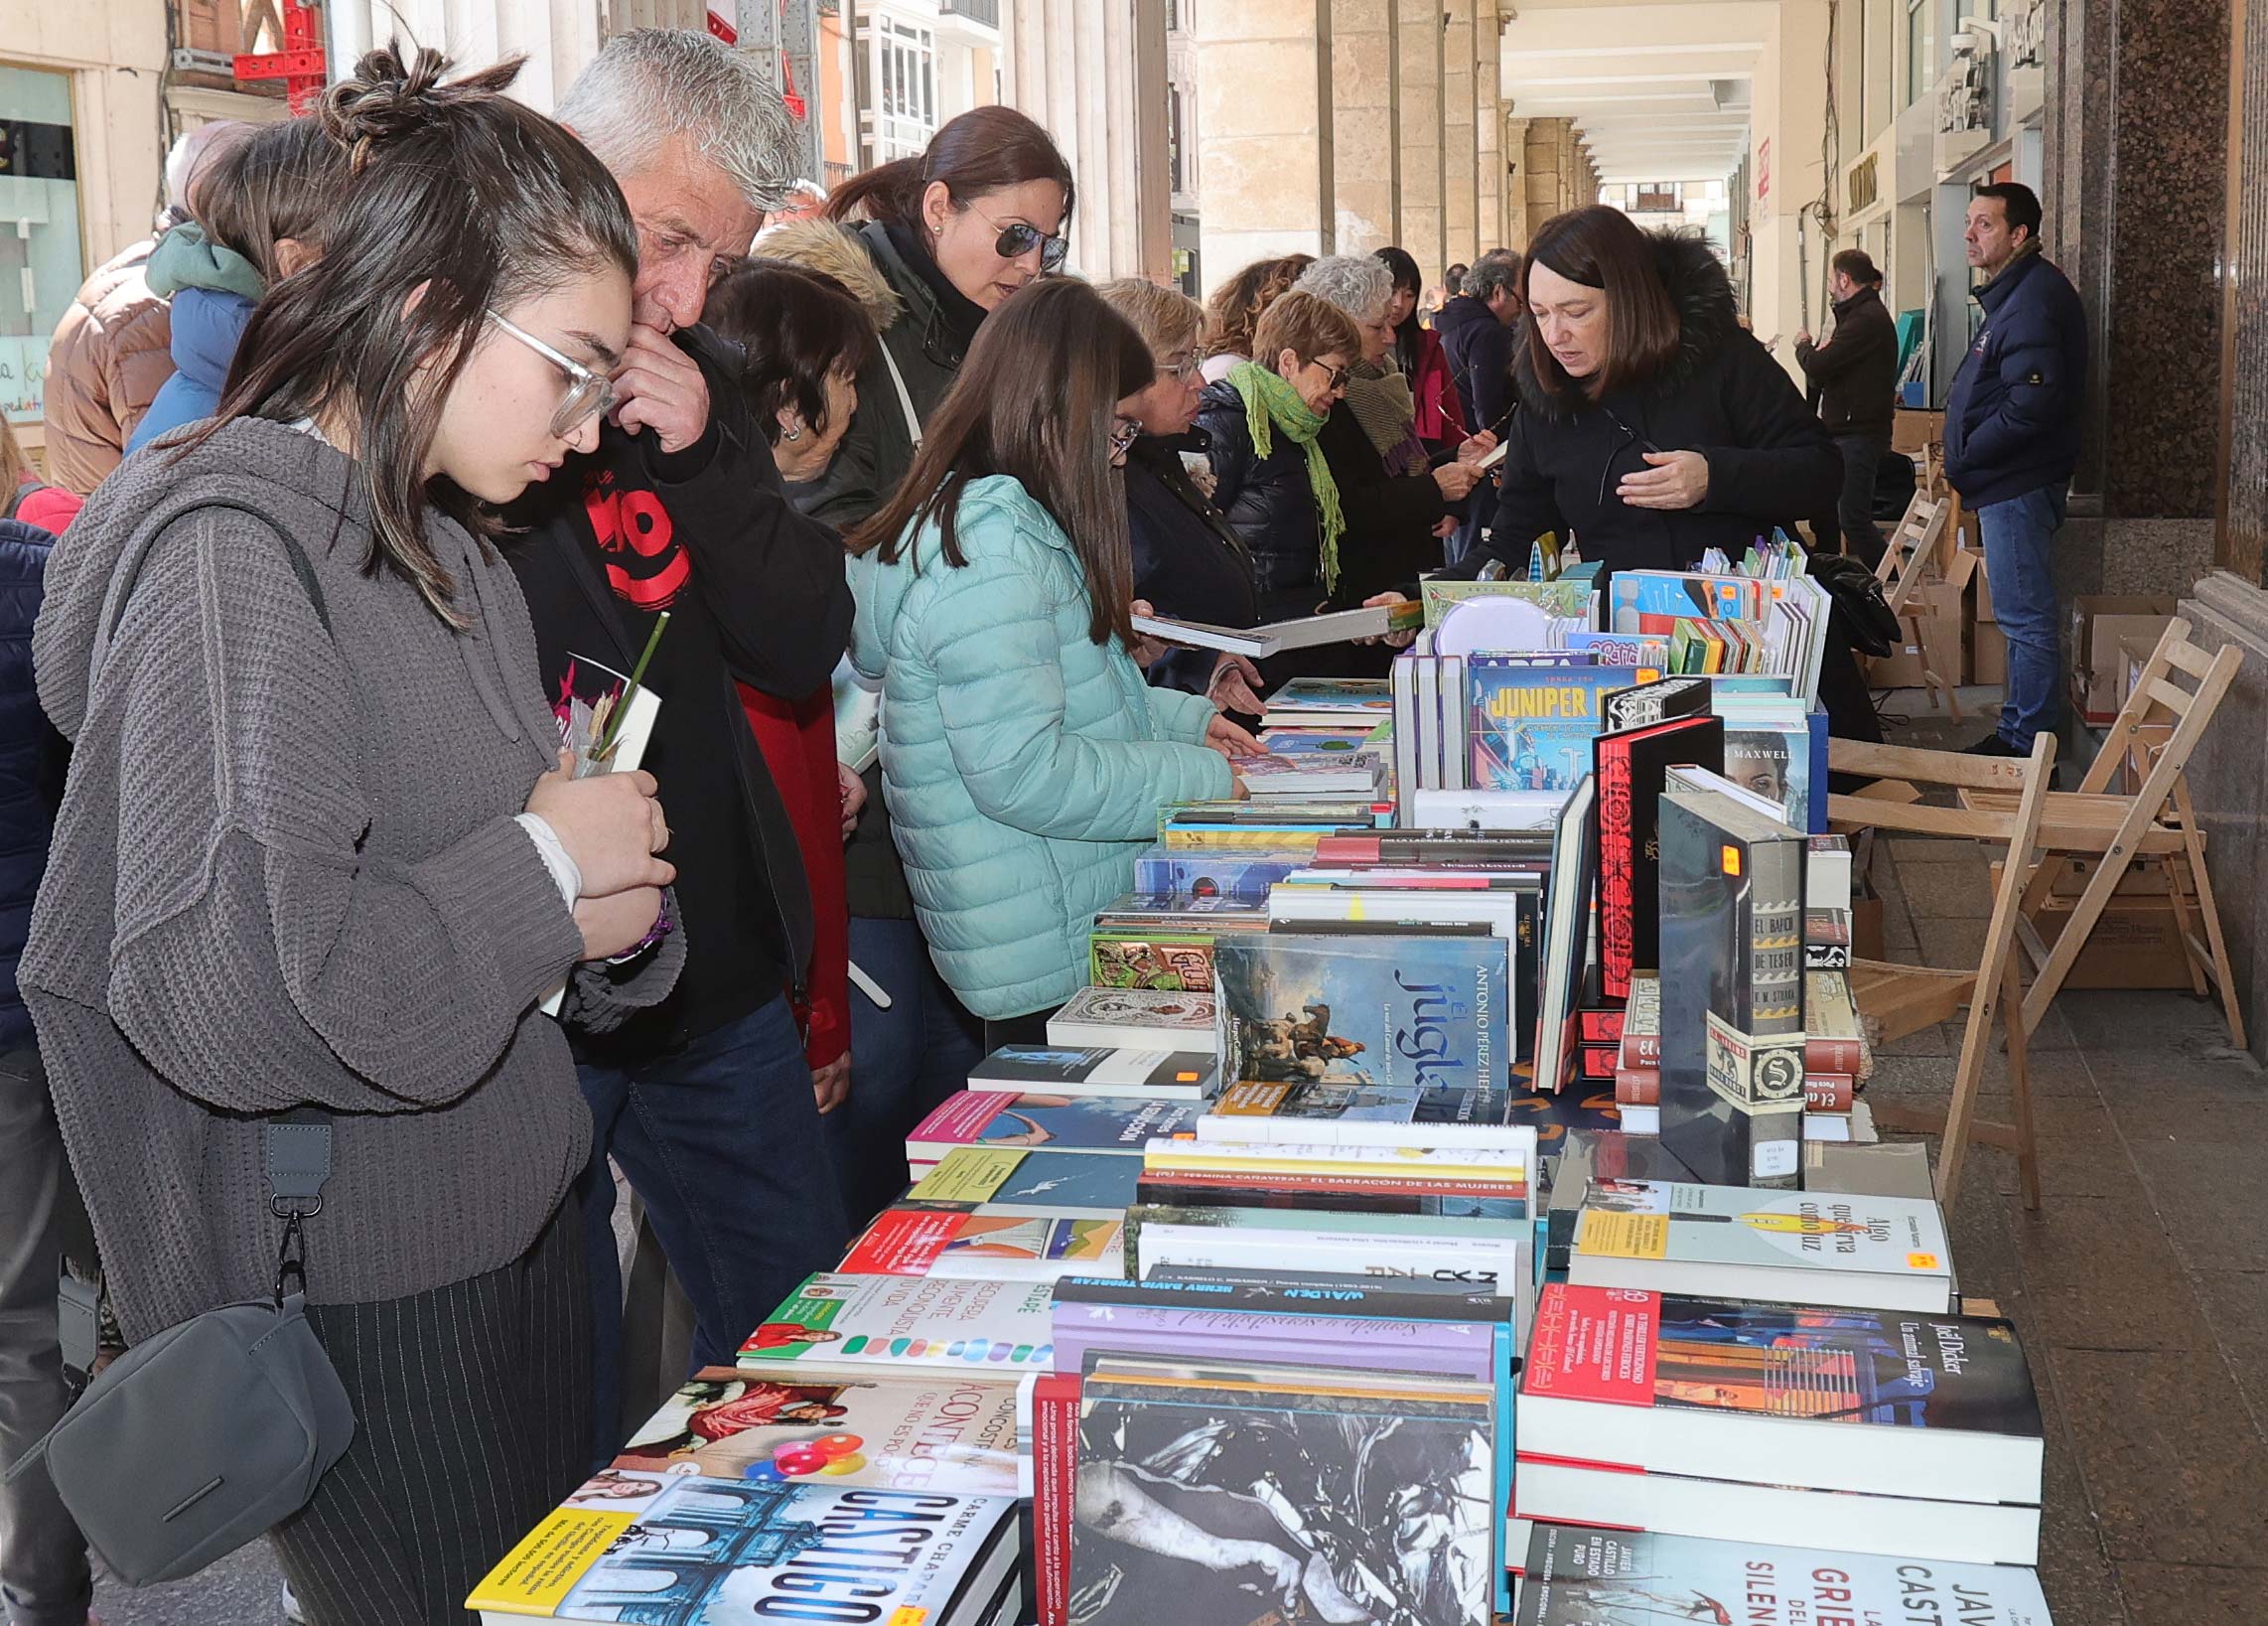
<point>1421,1222</point>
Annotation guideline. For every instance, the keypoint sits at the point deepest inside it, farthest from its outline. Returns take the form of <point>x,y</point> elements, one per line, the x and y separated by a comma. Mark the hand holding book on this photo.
<point>611,826</point>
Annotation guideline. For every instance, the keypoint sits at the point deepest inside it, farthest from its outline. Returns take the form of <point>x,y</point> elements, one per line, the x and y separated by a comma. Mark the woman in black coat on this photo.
<point>1652,427</point>
<point>1188,562</point>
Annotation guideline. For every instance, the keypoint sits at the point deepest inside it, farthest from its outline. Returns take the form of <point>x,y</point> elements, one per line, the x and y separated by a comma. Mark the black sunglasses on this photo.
<point>1018,239</point>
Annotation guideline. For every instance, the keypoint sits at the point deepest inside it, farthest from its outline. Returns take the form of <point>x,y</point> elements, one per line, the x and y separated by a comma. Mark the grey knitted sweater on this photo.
<point>287,873</point>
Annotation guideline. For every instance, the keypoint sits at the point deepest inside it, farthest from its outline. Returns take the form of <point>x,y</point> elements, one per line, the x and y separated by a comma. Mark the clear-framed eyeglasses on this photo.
<point>588,392</point>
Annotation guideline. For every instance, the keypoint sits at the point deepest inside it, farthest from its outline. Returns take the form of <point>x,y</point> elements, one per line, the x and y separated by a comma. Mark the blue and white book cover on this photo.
<point>1396,1010</point>
<point>1531,728</point>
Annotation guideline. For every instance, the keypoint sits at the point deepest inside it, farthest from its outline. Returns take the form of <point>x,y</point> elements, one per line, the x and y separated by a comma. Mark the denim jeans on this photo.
<point>2018,536</point>
<point>44,1575</point>
<point>1862,462</point>
<point>723,1141</point>
<point>904,1061</point>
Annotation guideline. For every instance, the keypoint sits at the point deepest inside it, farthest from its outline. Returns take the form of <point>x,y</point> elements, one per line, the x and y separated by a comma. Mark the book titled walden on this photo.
<point>679,1550</point>
<point>1395,1009</point>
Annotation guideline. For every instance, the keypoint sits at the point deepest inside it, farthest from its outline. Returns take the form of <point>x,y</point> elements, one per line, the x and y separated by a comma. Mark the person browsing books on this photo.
<point>1653,424</point>
<point>1187,561</point>
<point>1023,756</point>
<point>707,1102</point>
<point>318,851</point>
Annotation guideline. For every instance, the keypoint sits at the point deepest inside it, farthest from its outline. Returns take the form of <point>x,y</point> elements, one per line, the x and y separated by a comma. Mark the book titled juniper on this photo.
<point>1401,1009</point>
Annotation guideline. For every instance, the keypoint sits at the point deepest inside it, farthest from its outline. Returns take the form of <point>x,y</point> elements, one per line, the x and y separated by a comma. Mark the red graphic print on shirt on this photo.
<point>644,562</point>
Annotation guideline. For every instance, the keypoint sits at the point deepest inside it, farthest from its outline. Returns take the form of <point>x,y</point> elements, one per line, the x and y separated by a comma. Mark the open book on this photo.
<point>1303,632</point>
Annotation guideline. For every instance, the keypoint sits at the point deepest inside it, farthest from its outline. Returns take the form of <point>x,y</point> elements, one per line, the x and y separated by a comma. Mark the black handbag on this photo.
<point>1857,603</point>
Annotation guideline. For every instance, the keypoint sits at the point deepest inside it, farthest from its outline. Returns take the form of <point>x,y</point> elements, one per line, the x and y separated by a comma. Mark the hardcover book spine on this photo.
<point>1055,1480</point>
<point>1618,901</point>
<point>1637,1086</point>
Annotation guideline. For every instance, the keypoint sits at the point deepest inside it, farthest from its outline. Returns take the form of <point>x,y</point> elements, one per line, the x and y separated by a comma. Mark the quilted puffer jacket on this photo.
<point>1023,764</point>
<point>109,356</point>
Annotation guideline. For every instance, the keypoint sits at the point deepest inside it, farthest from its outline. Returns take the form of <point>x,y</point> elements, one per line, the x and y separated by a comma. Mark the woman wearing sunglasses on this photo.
<point>977,216</point>
<point>1023,756</point>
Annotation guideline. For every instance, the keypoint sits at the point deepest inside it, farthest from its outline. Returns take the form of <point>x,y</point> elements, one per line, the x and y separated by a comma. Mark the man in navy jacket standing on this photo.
<point>2012,439</point>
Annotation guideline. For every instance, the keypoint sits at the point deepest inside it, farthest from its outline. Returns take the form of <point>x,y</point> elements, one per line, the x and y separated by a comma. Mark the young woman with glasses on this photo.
<point>317,850</point>
<point>1023,756</point>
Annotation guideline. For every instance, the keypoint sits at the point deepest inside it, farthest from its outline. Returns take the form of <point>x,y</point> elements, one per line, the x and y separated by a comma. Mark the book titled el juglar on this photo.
<point>1631,767</point>
<point>1575,1576</point>
<point>1225,1496</point>
<point>671,1549</point>
<point>1399,1011</point>
<point>1732,985</point>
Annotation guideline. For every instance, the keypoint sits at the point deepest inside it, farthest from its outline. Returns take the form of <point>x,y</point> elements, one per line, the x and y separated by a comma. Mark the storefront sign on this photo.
<point>2024,34</point>
<point>1964,95</point>
<point>1865,184</point>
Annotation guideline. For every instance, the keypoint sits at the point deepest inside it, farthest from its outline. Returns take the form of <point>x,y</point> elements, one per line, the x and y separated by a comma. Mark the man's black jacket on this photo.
<point>757,595</point>
<point>1854,376</point>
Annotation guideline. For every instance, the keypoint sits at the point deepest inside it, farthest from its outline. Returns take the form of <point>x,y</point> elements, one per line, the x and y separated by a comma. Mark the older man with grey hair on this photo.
<point>1399,504</point>
<point>706,1102</point>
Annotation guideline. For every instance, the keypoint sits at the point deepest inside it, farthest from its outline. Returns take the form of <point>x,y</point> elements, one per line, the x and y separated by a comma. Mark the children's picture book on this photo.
<point>1532,727</point>
<point>1408,1011</point>
<point>837,1319</point>
<point>943,1431</point>
<point>672,1550</point>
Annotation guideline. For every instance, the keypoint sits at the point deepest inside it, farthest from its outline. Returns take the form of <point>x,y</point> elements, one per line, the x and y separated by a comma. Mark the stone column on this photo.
<point>1366,159</point>
<point>1265,131</point>
<point>2138,174</point>
<point>1419,25</point>
<point>1460,141</point>
<point>1550,152</point>
<point>1093,71</point>
<point>1513,160</point>
<point>1488,126</point>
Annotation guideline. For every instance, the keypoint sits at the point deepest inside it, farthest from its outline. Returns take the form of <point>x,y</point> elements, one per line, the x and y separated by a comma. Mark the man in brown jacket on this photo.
<point>113,346</point>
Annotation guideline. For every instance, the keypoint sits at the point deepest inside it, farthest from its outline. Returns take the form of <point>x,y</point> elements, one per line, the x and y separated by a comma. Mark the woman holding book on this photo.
<point>1023,756</point>
<point>1187,561</point>
<point>317,852</point>
<point>1652,425</point>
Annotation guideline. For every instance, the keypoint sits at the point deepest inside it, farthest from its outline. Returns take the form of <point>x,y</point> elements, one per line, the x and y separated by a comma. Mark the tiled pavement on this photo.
<point>2140,1289</point>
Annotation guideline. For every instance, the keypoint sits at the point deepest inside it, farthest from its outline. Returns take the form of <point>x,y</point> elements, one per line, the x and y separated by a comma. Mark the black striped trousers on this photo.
<point>473,1420</point>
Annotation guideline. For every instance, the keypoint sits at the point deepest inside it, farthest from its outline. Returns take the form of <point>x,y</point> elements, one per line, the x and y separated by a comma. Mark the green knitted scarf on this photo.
<point>1270,402</point>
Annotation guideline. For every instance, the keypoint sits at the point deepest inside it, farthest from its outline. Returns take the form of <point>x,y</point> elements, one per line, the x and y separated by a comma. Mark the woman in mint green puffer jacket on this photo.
<point>1023,756</point>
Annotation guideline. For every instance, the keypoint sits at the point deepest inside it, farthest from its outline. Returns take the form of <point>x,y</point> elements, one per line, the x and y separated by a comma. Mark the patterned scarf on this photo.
<point>1379,398</point>
<point>1270,402</point>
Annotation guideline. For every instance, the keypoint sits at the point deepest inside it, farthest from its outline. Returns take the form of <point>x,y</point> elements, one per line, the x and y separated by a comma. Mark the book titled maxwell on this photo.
<point>1425,1011</point>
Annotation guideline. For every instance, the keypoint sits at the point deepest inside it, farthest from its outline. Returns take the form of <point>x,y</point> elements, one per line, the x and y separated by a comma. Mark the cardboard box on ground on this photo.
<point>2137,944</point>
<point>1933,641</point>
<point>2100,624</point>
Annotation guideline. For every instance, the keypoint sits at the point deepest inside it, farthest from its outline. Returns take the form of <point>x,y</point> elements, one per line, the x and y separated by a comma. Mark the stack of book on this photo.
<point>1837,1060</point>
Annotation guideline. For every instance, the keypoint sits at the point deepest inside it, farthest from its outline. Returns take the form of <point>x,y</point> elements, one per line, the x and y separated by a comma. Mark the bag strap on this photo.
<point>18,497</point>
<point>904,395</point>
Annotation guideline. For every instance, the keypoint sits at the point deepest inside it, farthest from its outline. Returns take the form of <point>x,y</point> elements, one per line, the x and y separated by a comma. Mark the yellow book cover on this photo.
<point>536,1576</point>
<point>967,1174</point>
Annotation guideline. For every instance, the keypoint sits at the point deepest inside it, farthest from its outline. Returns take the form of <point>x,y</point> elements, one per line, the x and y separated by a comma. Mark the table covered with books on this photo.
<point>1452,1201</point>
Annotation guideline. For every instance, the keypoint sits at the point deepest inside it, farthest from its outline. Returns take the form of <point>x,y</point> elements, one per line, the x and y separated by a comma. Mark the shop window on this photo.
<point>1920,49</point>
<point>42,262</point>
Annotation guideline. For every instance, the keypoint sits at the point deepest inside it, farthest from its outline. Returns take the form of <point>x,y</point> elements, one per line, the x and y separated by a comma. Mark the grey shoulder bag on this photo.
<point>203,1436</point>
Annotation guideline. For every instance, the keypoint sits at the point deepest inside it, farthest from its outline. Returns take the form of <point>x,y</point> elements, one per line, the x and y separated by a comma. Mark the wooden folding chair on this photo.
<point>1909,557</point>
<point>2153,736</point>
<point>1903,999</point>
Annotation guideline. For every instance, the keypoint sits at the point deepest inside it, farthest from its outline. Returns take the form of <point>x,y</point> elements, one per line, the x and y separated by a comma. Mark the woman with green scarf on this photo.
<point>1271,482</point>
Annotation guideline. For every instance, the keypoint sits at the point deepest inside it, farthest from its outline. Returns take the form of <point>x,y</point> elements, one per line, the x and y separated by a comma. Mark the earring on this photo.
<point>795,434</point>
<point>937,232</point>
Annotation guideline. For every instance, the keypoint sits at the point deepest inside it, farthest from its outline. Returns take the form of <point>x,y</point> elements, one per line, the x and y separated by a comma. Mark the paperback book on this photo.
<point>985,1117</point>
<point>940,1432</point>
<point>1048,1185</point>
<point>1531,727</point>
<point>1410,1011</point>
<point>1136,1020</point>
<point>940,1244</point>
<point>887,1322</point>
<point>1136,1074</point>
<point>1575,1576</point>
<point>686,1550</point>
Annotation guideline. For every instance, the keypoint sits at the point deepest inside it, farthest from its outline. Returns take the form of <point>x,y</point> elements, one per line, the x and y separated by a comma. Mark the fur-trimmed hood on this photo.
<point>822,245</point>
<point>1706,317</point>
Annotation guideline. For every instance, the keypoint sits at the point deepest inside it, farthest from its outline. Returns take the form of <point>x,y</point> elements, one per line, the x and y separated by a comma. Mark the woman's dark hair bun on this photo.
<point>388,97</point>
